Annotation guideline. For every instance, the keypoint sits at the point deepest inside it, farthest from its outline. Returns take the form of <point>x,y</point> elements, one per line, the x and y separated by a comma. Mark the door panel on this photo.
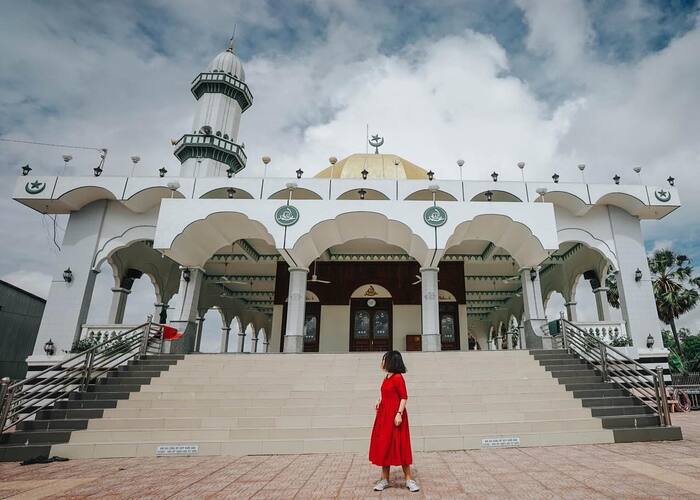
<point>370,326</point>
<point>449,326</point>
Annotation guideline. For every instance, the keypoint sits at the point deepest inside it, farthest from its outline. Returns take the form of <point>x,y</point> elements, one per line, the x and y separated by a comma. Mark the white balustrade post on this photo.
<point>430,309</point>
<point>571,313</point>
<point>225,332</point>
<point>601,303</point>
<point>296,310</point>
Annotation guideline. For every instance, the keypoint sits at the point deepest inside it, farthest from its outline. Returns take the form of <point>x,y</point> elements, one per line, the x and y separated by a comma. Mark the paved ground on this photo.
<point>638,470</point>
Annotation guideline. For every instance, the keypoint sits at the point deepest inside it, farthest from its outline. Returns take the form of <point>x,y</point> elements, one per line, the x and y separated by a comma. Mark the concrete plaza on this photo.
<point>637,470</point>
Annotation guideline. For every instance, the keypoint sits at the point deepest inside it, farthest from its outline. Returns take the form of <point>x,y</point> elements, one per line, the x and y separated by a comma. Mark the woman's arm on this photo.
<point>399,414</point>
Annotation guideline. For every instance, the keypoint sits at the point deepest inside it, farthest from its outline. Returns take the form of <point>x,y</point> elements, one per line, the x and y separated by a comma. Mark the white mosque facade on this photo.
<point>371,253</point>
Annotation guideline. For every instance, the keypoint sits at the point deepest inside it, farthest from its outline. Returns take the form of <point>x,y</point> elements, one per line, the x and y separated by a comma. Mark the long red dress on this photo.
<point>391,445</point>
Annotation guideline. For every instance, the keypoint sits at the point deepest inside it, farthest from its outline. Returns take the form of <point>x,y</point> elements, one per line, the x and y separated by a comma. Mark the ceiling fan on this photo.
<point>233,282</point>
<point>419,279</point>
<point>314,278</point>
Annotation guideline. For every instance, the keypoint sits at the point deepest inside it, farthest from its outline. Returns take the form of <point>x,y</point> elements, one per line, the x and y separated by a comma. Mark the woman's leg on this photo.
<point>407,472</point>
<point>385,473</point>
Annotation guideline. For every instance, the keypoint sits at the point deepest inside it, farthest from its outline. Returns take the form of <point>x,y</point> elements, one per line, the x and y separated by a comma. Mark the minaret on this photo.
<point>222,95</point>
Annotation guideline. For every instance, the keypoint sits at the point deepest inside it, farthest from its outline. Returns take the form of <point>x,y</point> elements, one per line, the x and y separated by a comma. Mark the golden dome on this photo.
<point>378,166</point>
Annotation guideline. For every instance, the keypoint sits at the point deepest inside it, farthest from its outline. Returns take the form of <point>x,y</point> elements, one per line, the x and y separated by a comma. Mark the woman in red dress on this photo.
<point>391,439</point>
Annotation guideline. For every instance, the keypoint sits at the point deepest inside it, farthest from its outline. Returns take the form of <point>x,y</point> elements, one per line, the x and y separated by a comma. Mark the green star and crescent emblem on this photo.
<point>286,215</point>
<point>662,195</point>
<point>435,216</point>
<point>35,187</point>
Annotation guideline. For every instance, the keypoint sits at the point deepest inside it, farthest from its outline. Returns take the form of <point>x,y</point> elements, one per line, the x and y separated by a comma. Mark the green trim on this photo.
<point>239,277</point>
<point>490,277</point>
<point>222,83</point>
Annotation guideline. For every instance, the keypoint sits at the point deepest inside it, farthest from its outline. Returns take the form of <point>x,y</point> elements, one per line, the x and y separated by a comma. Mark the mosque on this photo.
<point>371,253</point>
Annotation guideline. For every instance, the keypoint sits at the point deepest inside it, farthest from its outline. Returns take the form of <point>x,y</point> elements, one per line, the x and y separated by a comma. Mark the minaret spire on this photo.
<point>232,40</point>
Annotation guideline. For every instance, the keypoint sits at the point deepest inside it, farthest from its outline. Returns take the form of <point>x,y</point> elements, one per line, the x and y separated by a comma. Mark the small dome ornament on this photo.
<point>375,141</point>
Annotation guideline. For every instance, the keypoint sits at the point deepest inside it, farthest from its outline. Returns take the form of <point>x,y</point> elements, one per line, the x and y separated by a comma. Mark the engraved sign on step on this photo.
<point>286,215</point>
<point>165,450</point>
<point>501,442</point>
<point>435,216</point>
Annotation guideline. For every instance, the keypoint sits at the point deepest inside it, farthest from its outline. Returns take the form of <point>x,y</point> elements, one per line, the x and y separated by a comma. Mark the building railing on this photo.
<point>23,399</point>
<point>101,333</point>
<point>614,366</point>
<point>607,331</point>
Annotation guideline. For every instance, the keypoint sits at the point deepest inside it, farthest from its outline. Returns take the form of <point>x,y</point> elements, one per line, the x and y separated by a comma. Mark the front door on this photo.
<point>312,324</point>
<point>370,325</point>
<point>449,326</point>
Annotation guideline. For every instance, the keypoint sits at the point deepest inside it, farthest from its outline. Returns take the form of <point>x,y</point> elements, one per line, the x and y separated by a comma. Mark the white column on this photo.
<point>254,343</point>
<point>118,306</point>
<point>533,304</point>
<point>601,303</point>
<point>68,304</point>
<point>296,309</point>
<point>185,311</point>
<point>509,341</point>
<point>430,310</point>
<point>636,297</point>
<point>571,313</point>
<point>200,330</point>
<point>225,332</point>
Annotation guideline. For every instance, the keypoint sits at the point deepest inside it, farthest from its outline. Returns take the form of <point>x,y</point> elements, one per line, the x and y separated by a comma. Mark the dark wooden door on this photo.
<point>370,325</point>
<point>449,326</point>
<point>312,326</point>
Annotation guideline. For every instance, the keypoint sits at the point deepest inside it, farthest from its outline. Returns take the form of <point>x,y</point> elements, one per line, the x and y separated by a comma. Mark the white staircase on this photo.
<point>317,403</point>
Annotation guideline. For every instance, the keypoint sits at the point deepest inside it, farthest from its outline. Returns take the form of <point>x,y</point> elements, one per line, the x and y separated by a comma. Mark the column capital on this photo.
<point>121,290</point>
<point>299,269</point>
<point>570,303</point>
<point>226,328</point>
<point>428,269</point>
<point>601,289</point>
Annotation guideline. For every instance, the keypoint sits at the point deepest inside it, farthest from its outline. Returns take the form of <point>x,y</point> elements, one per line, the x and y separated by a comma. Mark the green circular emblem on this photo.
<point>286,215</point>
<point>435,216</point>
<point>35,187</point>
<point>662,195</point>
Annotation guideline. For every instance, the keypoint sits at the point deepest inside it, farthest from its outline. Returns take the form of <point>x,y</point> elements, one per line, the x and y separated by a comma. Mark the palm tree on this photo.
<point>675,288</point>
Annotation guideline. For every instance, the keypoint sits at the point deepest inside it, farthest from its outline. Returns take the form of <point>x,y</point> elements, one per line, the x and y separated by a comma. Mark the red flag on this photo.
<point>171,333</point>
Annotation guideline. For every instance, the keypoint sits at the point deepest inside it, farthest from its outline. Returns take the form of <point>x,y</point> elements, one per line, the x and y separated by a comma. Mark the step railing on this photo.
<point>614,366</point>
<point>23,399</point>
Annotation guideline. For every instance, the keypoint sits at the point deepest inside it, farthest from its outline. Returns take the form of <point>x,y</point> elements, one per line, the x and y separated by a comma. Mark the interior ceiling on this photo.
<point>247,268</point>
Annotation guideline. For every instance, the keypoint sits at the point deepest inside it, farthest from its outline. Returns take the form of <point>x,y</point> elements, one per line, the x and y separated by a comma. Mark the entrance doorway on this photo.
<point>449,326</point>
<point>370,325</point>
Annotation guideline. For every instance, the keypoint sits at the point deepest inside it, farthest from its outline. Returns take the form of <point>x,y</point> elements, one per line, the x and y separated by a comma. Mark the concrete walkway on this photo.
<point>638,470</point>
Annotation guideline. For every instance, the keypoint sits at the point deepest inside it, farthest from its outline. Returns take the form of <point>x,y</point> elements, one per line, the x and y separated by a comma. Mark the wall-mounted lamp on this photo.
<point>555,178</point>
<point>533,274</point>
<point>231,192</point>
<point>362,193</point>
<point>671,181</point>
<point>50,348</point>
<point>616,179</point>
<point>638,275</point>
<point>494,176</point>
<point>650,341</point>
<point>229,173</point>
<point>364,174</point>
<point>186,275</point>
<point>162,171</point>
<point>68,275</point>
<point>97,171</point>
<point>26,169</point>
<point>300,172</point>
<point>431,174</point>
<point>489,195</point>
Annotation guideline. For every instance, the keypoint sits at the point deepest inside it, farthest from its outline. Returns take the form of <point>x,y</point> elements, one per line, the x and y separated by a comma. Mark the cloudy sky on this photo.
<point>613,84</point>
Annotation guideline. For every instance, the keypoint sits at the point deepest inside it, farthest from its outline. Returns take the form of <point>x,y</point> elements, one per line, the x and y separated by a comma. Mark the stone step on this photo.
<point>600,393</point>
<point>596,402</point>
<point>36,437</point>
<point>632,435</point>
<point>53,425</point>
<point>603,411</point>
<point>90,404</point>
<point>629,421</point>
<point>324,445</point>
<point>20,452</point>
<point>63,413</point>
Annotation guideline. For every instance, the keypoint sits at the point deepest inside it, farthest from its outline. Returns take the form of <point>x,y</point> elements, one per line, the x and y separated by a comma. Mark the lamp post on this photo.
<point>332,160</point>
<point>638,171</point>
<point>266,161</point>
<point>494,176</point>
<point>616,179</point>
<point>162,171</point>
<point>460,164</point>
<point>521,166</point>
<point>134,160</point>
<point>541,191</point>
<point>582,167</point>
<point>68,275</point>
<point>555,178</point>
<point>671,181</point>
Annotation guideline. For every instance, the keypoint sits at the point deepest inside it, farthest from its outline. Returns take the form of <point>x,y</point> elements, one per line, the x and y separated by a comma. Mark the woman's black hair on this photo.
<point>393,362</point>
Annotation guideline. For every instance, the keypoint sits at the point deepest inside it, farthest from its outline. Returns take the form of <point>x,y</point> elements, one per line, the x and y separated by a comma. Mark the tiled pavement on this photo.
<point>637,470</point>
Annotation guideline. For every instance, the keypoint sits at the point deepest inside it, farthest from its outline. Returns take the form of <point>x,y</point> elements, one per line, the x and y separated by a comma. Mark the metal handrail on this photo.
<point>23,399</point>
<point>647,387</point>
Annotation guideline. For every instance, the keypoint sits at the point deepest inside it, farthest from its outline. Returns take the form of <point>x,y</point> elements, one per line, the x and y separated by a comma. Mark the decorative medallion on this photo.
<point>286,215</point>
<point>371,292</point>
<point>35,187</point>
<point>435,216</point>
<point>371,302</point>
<point>662,195</point>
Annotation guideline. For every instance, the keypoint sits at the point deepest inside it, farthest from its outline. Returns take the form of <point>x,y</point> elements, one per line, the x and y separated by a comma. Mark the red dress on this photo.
<point>391,445</point>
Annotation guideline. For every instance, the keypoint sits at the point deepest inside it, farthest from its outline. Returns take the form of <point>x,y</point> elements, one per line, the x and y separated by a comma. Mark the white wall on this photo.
<point>335,329</point>
<point>407,321</point>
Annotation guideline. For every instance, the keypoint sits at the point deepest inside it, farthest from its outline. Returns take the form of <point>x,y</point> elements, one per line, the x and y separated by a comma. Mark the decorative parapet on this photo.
<point>221,83</point>
<point>212,147</point>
